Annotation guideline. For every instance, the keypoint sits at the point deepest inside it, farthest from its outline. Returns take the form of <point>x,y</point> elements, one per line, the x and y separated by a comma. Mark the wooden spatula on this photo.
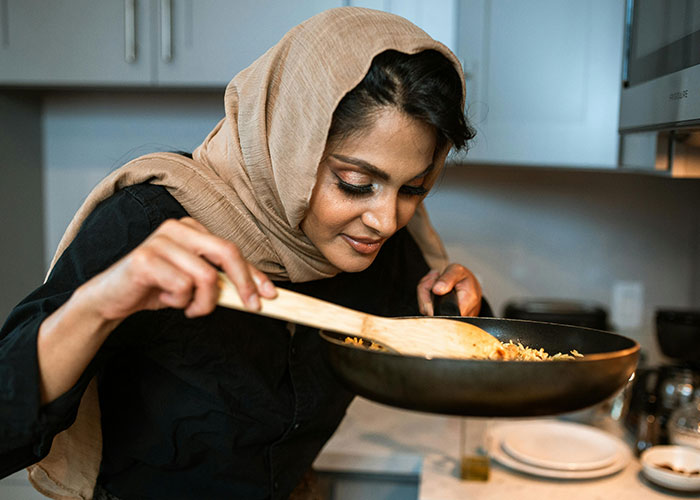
<point>429,337</point>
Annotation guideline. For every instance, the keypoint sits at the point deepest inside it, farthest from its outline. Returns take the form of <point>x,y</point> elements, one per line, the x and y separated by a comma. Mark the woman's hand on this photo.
<point>175,267</point>
<point>455,276</point>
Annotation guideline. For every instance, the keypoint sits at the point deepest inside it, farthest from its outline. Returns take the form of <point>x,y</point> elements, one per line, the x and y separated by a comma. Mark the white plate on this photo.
<point>560,445</point>
<point>621,458</point>
<point>678,457</point>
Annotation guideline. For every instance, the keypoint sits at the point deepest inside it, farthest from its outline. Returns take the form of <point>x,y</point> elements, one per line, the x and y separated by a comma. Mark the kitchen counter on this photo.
<point>377,439</point>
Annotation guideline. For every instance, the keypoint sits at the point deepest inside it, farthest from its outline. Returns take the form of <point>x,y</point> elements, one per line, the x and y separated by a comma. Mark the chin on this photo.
<point>354,264</point>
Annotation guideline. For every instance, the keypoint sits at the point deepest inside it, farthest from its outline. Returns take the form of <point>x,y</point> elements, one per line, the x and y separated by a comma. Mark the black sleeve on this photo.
<point>114,228</point>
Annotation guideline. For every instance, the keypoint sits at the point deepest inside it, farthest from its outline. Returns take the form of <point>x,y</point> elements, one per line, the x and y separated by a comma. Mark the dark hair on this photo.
<point>425,86</point>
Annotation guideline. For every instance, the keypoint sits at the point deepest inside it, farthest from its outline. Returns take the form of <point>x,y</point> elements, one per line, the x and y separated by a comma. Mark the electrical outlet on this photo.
<point>627,305</point>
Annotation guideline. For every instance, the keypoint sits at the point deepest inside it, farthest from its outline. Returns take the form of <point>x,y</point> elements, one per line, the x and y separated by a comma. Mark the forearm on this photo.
<point>67,341</point>
<point>173,267</point>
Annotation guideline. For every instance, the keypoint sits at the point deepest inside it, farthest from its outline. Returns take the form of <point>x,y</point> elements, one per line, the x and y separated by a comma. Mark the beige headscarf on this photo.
<point>250,181</point>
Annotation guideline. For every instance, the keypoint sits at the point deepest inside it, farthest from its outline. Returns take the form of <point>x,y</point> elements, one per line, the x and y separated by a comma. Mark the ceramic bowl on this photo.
<point>675,467</point>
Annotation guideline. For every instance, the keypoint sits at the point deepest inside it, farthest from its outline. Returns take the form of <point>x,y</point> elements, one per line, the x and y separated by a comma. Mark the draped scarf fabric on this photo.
<point>251,180</point>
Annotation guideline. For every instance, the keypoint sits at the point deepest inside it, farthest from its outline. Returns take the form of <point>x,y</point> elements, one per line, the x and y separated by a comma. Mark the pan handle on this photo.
<point>446,305</point>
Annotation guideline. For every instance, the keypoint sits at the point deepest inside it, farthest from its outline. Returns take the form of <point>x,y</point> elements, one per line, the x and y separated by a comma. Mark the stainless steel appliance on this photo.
<point>660,99</point>
<point>661,74</point>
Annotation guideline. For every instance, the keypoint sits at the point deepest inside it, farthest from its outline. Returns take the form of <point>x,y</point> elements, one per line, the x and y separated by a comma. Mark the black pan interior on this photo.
<point>553,337</point>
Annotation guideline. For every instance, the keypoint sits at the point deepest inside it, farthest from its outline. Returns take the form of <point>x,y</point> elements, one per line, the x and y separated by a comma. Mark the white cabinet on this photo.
<point>193,43</point>
<point>438,18</point>
<point>212,40</point>
<point>543,80</point>
<point>76,42</point>
<point>543,76</point>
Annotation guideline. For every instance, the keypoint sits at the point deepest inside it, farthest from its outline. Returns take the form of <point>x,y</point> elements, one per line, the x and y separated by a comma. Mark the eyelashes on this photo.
<point>358,190</point>
<point>354,189</point>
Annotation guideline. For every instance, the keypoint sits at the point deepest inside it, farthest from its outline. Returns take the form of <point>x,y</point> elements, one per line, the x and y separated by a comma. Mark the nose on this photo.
<point>382,216</point>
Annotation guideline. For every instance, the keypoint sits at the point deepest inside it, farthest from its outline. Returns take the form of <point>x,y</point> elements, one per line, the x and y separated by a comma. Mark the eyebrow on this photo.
<point>371,169</point>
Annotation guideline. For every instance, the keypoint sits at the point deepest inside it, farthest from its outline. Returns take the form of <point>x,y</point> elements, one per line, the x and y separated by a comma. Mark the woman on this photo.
<point>314,180</point>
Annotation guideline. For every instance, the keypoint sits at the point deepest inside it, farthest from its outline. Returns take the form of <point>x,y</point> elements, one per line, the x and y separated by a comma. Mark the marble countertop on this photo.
<point>375,438</point>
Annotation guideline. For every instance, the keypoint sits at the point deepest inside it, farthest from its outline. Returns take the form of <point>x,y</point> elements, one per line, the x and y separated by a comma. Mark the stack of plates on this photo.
<point>555,449</point>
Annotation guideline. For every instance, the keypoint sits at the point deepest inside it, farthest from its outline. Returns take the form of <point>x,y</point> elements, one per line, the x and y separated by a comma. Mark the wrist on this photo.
<point>68,339</point>
<point>87,304</point>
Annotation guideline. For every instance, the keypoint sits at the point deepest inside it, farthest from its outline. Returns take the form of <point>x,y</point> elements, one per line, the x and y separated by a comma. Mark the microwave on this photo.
<point>660,93</point>
<point>661,69</point>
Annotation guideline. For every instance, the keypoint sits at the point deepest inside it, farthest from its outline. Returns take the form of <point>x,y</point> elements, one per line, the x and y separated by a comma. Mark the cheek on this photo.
<point>406,209</point>
<point>328,213</point>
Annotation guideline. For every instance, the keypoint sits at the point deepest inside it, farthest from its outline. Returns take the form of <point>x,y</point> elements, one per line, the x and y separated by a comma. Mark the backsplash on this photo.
<point>572,234</point>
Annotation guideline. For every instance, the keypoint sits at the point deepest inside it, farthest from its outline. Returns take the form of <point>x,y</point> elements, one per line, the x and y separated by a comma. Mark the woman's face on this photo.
<point>368,187</point>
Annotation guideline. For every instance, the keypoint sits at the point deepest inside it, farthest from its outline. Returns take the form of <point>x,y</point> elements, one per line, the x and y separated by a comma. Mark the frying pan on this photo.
<point>460,386</point>
<point>483,388</point>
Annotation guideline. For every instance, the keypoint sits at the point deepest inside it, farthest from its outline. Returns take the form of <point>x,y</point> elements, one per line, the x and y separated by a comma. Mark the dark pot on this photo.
<point>564,312</point>
<point>678,334</point>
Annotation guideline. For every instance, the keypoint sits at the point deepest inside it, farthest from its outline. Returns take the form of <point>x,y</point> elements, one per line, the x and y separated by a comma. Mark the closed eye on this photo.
<point>365,189</point>
<point>354,189</point>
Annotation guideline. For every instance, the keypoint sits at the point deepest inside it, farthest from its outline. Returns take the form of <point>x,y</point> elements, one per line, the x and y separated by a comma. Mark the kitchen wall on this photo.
<point>21,197</point>
<point>88,134</point>
<point>526,232</point>
<point>574,234</point>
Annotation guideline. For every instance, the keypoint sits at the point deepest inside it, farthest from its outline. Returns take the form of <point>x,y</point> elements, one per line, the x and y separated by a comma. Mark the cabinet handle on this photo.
<point>130,30</point>
<point>166,30</point>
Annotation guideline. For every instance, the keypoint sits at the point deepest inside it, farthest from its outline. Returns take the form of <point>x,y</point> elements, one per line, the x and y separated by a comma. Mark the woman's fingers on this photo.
<point>265,286</point>
<point>457,277</point>
<point>176,266</point>
<point>449,278</point>
<point>200,274</point>
<point>469,296</point>
<point>142,280</point>
<point>227,255</point>
<point>467,287</point>
<point>198,241</point>
<point>425,298</point>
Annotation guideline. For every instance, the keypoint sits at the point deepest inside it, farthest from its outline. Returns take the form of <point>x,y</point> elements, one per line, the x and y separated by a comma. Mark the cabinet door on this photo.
<point>77,42</point>
<point>437,17</point>
<point>543,80</point>
<point>206,42</point>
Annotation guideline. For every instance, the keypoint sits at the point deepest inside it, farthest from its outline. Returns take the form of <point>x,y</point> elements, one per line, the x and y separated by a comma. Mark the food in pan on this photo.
<point>373,346</point>
<point>519,352</point>
<point>511,351</point>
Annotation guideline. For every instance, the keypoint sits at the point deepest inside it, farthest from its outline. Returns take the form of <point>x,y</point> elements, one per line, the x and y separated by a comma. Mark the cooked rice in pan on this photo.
<point>360,343</point>
<point>518,352</point>
<point>513,351</point>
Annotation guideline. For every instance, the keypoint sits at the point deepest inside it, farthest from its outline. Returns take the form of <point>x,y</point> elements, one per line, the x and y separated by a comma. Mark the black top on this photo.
<point>230,405</point>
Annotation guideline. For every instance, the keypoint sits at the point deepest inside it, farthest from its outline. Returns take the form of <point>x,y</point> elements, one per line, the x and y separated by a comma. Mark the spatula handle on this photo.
<point>297,308</point>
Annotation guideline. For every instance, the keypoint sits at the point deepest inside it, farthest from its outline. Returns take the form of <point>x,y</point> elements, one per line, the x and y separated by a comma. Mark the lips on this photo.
<point>364,246</point>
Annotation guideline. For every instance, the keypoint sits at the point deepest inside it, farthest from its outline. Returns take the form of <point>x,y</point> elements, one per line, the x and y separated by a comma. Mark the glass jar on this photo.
<point>684,424</point>
<point>677,387</point>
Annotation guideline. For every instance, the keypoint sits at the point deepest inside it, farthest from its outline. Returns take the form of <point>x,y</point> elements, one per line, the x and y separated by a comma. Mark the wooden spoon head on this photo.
<point>434,337</point>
